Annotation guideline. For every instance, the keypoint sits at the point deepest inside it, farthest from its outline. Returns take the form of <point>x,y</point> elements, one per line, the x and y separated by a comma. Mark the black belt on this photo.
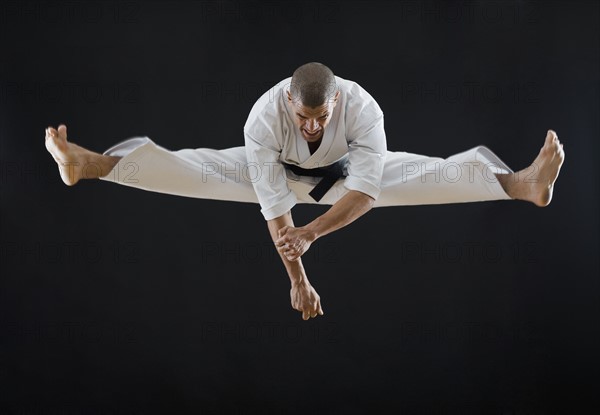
<point>330,174</point>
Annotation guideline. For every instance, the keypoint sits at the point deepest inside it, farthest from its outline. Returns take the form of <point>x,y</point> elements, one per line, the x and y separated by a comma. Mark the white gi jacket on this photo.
<point>355,135</point>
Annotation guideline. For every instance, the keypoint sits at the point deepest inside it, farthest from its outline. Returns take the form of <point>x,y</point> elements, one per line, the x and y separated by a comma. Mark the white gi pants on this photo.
<point>408,179</point>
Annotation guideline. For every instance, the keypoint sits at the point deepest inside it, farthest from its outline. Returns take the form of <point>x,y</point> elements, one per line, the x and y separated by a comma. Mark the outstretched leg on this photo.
<point>536,182</point>
<point>471,176</point>
<point>139,162</point>
<point>75,162</point>
<point>416,179</point>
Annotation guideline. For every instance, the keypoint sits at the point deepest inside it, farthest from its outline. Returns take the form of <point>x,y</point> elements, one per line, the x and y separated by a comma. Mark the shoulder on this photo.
<point>265,121</point>
<point>360,108</point>
<point>269,103</point>
<point>356,97</point>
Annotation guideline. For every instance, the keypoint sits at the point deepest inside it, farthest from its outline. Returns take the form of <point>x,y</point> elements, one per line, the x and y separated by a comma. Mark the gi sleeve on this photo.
<point>270,184</point>
<point>367,148</point>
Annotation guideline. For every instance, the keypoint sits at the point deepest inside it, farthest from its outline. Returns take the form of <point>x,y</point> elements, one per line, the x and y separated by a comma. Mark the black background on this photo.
<point>120,301</point>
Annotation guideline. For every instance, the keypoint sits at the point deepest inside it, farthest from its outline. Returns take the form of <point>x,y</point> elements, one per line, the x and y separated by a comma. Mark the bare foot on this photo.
<point>69,156</point>
<point>75,162</point>
<point>536,182</point>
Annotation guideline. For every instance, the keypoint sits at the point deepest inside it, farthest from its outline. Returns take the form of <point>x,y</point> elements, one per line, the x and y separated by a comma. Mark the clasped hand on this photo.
<point>293,242</point>
<point>305,299</point>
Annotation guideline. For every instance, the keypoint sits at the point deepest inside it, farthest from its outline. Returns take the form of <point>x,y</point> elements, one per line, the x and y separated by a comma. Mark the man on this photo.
<point>313,138</point>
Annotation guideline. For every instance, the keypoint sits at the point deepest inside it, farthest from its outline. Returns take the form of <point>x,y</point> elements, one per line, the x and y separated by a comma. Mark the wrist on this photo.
<point>296,272</point>
<point>299,282</point>
<point>312,230</point>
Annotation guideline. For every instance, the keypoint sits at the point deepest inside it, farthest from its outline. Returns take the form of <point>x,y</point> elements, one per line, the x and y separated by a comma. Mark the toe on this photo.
<point>551,136</point>
<point>62,131</point>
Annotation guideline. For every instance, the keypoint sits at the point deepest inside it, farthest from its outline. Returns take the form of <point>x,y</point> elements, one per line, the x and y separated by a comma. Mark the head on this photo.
<point>312,97</point>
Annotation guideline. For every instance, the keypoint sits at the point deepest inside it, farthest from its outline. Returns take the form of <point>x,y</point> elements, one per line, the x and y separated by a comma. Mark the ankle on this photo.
<point>97,165</point>
<point>508,182</point>
<point>109,163</point>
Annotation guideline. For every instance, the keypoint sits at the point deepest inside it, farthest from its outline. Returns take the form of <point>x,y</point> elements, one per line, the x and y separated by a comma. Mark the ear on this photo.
<point>336,97</point>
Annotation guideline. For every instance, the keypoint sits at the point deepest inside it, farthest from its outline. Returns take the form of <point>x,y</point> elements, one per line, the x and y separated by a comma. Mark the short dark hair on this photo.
<point>313,84</point>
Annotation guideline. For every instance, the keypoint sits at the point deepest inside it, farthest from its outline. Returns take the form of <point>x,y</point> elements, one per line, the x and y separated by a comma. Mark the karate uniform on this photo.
<point>354,139</point>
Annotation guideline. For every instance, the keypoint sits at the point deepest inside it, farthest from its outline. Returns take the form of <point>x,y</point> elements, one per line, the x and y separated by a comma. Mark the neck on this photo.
<point>312,147</point>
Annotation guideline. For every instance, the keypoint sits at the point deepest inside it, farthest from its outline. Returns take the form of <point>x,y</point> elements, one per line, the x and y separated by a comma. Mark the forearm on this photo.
<point>350,207</point>
<point>295,269</point>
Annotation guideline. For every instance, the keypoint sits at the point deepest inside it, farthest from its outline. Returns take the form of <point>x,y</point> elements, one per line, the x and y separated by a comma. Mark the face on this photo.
<point>312,121</point>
